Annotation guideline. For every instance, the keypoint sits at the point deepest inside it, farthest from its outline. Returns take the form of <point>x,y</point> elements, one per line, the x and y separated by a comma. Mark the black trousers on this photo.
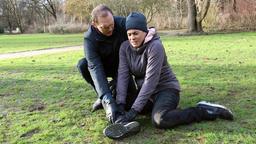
<point>82,67</point>
<point>165,114</point>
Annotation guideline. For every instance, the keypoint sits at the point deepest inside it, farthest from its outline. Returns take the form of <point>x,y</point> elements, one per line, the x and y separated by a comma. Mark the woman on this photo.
<point>143,57</point>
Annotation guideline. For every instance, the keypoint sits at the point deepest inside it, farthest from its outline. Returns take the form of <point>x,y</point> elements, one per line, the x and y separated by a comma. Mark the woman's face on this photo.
<point>136,37</point>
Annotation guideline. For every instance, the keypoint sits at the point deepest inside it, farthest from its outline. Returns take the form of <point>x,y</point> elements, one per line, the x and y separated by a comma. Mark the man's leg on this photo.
<point>82,66</point>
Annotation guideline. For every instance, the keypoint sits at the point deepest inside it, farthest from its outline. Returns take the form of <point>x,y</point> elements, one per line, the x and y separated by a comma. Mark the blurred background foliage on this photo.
<point>72,16</point>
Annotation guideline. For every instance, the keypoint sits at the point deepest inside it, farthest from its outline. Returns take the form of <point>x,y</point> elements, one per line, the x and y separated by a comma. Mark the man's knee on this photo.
<point>82,64</point>
<point>83,69</point>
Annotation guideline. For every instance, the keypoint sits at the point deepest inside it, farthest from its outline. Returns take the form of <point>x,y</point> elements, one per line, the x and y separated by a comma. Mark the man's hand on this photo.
<point>111,114</point>
<point>110,107</point>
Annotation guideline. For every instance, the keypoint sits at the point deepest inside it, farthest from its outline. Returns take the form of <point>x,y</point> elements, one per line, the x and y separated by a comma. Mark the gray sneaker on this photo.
<point>119,131</point>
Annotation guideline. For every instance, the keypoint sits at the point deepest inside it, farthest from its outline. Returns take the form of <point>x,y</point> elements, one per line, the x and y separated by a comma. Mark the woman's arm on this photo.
<point>123,75</point>
<point>155,60</point>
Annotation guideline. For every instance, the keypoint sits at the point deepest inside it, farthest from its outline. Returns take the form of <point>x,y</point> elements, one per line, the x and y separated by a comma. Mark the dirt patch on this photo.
<point>3,113</point>
<point>30,133</point>
<point>36,107</point>
<point>5,94</point>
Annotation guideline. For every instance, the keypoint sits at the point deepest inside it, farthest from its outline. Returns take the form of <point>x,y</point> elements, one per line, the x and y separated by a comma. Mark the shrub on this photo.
<point>67,28</point>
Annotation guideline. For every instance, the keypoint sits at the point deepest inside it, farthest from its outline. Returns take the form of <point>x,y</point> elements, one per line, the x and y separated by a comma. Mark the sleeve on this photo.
<point>123,77</point>
<point>96,68</point>
<point>153,70</point>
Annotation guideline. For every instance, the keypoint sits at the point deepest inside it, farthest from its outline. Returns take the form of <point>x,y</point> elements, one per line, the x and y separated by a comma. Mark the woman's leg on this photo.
<point>132,94</point>
<point>166,115</point>
<point>131,97</point>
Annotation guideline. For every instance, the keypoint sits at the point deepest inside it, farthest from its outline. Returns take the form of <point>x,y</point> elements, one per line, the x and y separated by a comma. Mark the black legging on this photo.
<point>166,115</point>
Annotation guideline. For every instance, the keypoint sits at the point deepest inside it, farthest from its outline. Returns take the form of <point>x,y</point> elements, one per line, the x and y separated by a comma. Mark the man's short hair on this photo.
<point>100,11</point>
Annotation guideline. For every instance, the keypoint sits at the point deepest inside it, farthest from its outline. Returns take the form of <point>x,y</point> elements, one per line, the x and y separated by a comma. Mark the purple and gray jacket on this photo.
<point>148,64</point>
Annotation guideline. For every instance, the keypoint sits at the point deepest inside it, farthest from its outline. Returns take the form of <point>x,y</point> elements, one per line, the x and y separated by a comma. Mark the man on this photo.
<point>101,46</point>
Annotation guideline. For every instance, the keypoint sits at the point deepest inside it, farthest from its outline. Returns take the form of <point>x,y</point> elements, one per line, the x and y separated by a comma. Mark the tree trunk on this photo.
<point>192,25</point>
<point>17,14</point>
<point>50,7</point>
<point>202,9</point>
<point>197,11</point>
<point>9,26</point>
<point>178,14</point>
<point>199,27</point>
<point>234,6</point>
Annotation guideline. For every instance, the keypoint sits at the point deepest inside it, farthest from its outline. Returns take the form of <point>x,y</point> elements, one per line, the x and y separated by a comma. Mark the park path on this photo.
<point>66,49</point>
<point>38,52</point>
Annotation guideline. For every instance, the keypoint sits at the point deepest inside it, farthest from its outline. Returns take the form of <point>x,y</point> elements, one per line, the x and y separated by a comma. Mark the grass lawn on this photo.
<point>43,99</point>
<point>26,42</point>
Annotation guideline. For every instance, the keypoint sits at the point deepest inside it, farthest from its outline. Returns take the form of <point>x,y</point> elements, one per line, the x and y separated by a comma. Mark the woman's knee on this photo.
<point>162,121</point>
<point>158,119</point>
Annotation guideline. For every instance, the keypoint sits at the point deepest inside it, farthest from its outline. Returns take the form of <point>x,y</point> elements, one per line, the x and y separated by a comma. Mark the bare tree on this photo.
<point>51,6</point>
<point>192,16</point>
<point>202,9</point>
<point>180,11</point>
<point>222,3</point>
<point>79,12</point>
<point>7,15</point>
<point>41,12</point>
<point>16,9</point>
<point>12,11</point>
<point>197,10</point>
<point>151,7</point>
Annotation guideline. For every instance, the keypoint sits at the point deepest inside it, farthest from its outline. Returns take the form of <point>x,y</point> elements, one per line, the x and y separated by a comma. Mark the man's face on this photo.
<point>105,24</point>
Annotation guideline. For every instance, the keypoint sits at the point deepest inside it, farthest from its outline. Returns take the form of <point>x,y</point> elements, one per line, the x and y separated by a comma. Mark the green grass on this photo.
<point>26,42</point>
<point>219,68</point>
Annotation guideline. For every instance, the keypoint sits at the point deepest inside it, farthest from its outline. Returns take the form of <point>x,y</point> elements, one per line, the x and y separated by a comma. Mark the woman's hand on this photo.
<point>127,117</point>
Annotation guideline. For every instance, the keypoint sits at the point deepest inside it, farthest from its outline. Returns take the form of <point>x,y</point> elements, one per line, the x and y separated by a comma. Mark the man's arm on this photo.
<point>96,68</point>
<point>99,79</point>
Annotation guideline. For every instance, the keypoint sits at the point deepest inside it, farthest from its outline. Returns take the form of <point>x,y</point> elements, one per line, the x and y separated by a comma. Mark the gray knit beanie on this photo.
<point>136,20</point>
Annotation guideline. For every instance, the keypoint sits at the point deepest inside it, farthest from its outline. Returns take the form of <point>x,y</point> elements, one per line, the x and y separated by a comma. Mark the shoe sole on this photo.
<point>119,131</point>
